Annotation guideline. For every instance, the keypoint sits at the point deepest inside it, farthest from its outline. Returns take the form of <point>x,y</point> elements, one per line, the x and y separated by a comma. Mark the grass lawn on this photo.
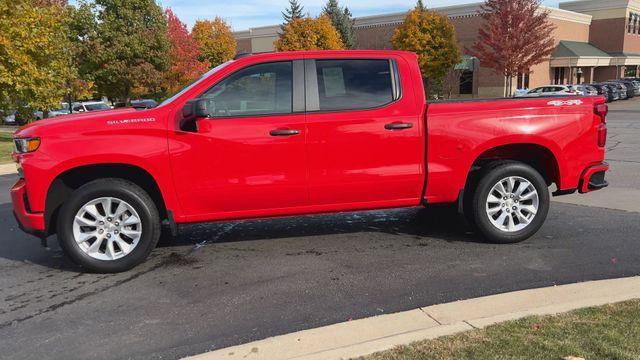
<point>6,147</point>
<point>608,332</point>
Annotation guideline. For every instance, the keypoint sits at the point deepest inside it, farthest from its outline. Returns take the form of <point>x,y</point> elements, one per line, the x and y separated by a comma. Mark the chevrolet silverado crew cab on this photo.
<point>286,134</point>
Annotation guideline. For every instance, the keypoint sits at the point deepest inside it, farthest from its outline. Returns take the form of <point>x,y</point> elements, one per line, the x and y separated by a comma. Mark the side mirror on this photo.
<point>194,110</point>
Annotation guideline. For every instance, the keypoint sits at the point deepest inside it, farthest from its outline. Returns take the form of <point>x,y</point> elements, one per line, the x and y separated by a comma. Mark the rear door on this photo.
<point>365,133</point>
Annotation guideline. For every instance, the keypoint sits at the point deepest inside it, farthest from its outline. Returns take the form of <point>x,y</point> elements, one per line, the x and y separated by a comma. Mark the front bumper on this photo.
<point>30,223</point>
<point>593,178</point>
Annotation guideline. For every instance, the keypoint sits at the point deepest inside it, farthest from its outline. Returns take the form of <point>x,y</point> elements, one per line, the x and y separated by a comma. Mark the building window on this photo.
<point>630,25</point>
<point>466,82</point>
<point>523,80</point>
<point>559,77</point>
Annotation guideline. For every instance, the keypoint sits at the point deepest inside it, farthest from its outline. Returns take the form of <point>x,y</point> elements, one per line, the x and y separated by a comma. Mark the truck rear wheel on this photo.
<point>108,226</point>
<point>511,203</point>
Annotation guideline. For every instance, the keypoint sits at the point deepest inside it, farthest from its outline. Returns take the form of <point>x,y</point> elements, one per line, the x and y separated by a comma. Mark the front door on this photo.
<point>248,158</point>
<point>365,134</point>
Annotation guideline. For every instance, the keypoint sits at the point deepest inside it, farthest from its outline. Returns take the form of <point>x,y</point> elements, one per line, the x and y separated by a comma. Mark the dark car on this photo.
<point>144,104</point>
<point>623,91</point>
<point>603,90</point>
<point>633,86</point>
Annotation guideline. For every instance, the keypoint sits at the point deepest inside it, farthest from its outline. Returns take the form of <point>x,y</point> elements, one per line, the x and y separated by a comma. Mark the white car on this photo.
<point>88,106</point>
<point>552,90</point>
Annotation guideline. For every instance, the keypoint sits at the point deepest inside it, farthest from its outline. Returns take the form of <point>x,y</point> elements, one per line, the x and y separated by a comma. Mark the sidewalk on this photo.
<point>367,336</point>
<point>7,169</point>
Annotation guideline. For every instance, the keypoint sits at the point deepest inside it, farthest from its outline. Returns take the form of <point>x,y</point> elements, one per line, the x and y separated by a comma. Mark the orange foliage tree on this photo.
<point>309,34</point>
<point>215,40</point>
<point>184,55</point>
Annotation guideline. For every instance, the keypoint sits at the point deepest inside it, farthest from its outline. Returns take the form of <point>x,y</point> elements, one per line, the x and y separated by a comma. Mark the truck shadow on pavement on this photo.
<point>438,223</point>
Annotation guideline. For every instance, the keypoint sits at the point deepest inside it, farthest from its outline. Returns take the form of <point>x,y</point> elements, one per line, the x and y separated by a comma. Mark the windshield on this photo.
<point>94,107</point>
<point>195,83</point>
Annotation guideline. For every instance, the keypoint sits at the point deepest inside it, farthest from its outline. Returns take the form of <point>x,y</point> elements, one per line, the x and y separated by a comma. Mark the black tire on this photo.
<point>120,189</point>
<point>488,180</point>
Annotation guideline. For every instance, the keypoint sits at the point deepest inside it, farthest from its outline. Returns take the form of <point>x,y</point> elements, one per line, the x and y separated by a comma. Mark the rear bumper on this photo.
<point>28,222</point>
<point>593,178</point>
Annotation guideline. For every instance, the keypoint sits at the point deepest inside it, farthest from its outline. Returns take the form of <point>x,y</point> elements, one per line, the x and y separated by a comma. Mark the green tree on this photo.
<point>130,48</point>
<point>432,36</point>
<point>309,34</point>
<point>34,55</point>
<point>342,20</point>
<point>294,12</point>
<point>215,41</point>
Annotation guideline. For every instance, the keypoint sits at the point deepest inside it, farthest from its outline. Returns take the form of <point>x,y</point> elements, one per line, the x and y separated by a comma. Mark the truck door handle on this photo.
<point>284,132</point>
<point>398,126</point>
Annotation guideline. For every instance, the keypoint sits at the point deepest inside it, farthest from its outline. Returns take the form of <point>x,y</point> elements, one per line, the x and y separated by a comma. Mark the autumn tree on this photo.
<point>184,55</point>
<point>215,41</point>
<point>129,48</point>
<point>309,34</point>
<point>342,20</point>
<point>34,55</point>
<point>294,12</point>
<point>432,36</point>
<point>516,35</point>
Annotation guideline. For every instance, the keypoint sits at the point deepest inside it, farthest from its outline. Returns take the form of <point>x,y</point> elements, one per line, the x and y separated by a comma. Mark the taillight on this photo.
<point>602,135</point>
<point>602,110</point>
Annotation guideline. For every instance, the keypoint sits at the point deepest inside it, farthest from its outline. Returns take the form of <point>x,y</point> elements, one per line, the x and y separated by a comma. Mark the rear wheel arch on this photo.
<point>72,179</point>
<point>539,157</point>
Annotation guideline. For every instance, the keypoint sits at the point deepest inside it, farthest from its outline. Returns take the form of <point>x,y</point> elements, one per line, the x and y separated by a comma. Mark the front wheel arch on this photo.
<point>64,184</point>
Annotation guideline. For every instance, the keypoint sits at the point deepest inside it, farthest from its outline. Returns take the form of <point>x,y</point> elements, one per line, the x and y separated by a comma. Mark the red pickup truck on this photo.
<point>298,133</point>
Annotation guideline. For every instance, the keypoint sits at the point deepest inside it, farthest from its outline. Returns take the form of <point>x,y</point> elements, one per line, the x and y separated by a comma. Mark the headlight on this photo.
<point>26,145</point>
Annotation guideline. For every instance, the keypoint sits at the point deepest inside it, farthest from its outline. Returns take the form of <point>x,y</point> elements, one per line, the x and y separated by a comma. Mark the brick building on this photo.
<point>597,40</point>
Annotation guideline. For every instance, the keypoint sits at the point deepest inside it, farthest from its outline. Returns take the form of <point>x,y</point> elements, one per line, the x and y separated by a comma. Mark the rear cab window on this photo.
<point>355,84</point>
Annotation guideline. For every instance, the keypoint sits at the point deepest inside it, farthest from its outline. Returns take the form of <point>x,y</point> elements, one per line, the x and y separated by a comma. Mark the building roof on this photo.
<point>575,49</point>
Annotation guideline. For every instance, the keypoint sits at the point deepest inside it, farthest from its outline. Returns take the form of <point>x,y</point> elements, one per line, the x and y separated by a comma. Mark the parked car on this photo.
<point>623,91</point>
<point>603,90</point>
<point>351,136</point>
<point>144,104</point>
<point>88,106</point>
<point>632,85</point>
<point>552,90</point>
<point>585,90</point>
<point>63,110</point>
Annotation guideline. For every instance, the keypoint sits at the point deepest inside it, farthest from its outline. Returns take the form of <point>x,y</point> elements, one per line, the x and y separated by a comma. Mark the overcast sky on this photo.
<point>244,14</point>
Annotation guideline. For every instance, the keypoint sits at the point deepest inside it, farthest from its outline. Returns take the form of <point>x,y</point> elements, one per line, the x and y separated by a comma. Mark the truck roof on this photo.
<point>325,53</point>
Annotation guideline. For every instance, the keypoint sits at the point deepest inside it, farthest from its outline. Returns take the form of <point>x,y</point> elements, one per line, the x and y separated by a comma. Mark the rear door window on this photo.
<point>354,84</point>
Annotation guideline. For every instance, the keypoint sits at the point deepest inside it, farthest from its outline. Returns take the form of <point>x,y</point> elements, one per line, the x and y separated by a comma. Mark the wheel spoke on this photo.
<point>510,223</point>
<point>529,195</point>
<point>501,219</point>
<point>93,211</point>
<point>86,236</point>
<point>85,222</point>
<point>110,251</point>
<point>492,199</point>
<point>530,209</point>
<point>131,233</point>
<point>494,210</point>
<point>95,247</point>
<point>522,188</point>
<point>523,219</point>
<point>511,183</point>
<point>131,220</point>
<point>124,247</point>
<point>106,205</point>
<point>120,210</point>
<point>500,189</point>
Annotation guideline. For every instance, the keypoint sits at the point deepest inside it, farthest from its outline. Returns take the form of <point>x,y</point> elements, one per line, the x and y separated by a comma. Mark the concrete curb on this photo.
<point>367,336</point>
<point>7,169</point>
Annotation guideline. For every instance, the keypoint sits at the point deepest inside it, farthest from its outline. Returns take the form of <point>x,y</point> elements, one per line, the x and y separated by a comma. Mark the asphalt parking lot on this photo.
<point>229,283</point>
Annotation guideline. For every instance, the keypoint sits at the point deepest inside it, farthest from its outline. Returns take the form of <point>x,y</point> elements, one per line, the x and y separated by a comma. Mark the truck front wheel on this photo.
<point>108,226</point>
<point>511,203</point>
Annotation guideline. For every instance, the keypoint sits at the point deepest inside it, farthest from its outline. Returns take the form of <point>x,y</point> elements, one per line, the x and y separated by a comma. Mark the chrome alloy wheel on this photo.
<point>107,228</point>
<point>512,204</point>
